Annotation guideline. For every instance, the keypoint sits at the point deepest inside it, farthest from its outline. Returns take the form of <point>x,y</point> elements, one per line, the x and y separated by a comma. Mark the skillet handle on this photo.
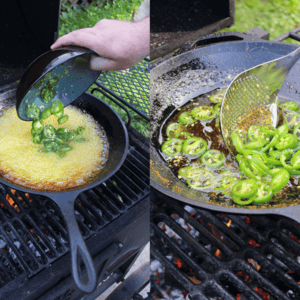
<point>292,212</point>
<point>77,245</point>
<point>115,101</point>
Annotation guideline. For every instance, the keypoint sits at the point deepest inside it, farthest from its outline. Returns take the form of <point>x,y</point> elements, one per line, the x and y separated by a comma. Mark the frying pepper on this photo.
<point>263,195</point>
<point>172,147</point>
<point>47,93</point>
<point>183,135</point>
<point>290,105</point>
<point>33,111</point>
<point>237,142</point>
<point>173,129</point>
<point>280,180</point>
<point>286,141</point>
<point>190,172</point>
<point>296,131</point>
<point>204,181</point>
<point>213,158</point>
<point>204,113</point>
<point>239,201</point>
<point>49,132</point>
<point>186,118</point>
<point>38,125</point>
<point>194,146</point>
<point>245,188</point>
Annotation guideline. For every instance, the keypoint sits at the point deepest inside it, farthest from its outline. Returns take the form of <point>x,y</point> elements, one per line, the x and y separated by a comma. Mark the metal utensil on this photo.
<point>64,72</point>
<point>251,96</point>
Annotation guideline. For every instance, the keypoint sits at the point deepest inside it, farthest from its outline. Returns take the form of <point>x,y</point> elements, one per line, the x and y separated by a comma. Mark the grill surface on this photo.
<point>252,257</point>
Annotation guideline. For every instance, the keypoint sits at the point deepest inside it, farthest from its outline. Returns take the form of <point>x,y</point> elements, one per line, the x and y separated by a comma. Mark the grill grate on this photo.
<point>132,85</point>
<point>32,230</point>
<point>227,256</point>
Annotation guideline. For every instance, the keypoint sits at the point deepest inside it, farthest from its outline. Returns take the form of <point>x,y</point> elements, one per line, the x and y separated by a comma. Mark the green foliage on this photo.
<point>276,16</point>
<point>76,17</point>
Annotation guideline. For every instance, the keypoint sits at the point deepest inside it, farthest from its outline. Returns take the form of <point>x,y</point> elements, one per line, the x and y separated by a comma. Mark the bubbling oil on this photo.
<point>22,163</point>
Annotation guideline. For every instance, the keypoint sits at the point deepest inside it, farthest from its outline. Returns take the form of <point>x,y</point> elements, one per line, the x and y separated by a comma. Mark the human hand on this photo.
<point>119,44</point>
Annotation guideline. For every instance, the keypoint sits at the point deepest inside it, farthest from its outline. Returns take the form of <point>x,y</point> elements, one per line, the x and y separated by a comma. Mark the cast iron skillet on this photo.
<point>118,146</point>
<point>229,58</point>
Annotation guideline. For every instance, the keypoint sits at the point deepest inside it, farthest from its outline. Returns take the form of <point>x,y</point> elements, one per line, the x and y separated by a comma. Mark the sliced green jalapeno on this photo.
<point>194,146</point>
<point>190,172</point>
<point>270,130</point>
<point>286,141</point>
<point>244,167</point>
<point>256,145</point>
<point>283,129</point>
<point>291,119</point>
<point>49,132</point>
<point>186,118</point>
<point>46,114</point>
<point>295,160</point>
<point>217,108</point>
<point>245,188</point>
<point>217,98</point>
<point>183,135</point>
<point>56,107</point>
<point>290,105</point>
<point>296,131</point>
<point>50,146</point>
<point>255,133</point>
<point>263,195</point>
<point>63,119</point>
<point>240,201</point>
<point>213,158</point>
<point>204,113</point>
<point>172,147</point>
<point>37,138</point>
<point>280,180</point>
<point>227,181</point>
<point>38,126</point>
<point>53,81</point>
<point>47,93</point>
<point>205,180</point>
<point>237,142</point>
<point>173,129</point>
<point>33,111</point>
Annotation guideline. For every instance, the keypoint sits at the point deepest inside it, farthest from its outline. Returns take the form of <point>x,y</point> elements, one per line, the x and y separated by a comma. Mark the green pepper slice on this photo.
<point>33,111</point>
<point>190,172</point>
<point>204,113</point>
<point>256,145</point>
<point>295,160</point>
<point>56,107</point>
<point>296,131</point>
<point>173,129</point>
<point>290,105</point>
<point>38,125</point>
<point>53,81</point>
<point>217,108</point>
<point>172,147</point>
<point>283,129</point>
<point>245,188</point>
<point>237,142</point>
<point>49,132</point>
<point>50,146</point>
<point>291,119</point>
<point>194,146</point>
<point>46,114</point>
<point>244,167</point>
<point>227,181</point>
<point>213,158</point>
<point>286,141</point>
<point>280,180</point>
<point>39,83</point>
<point>37,138</point>
<point>263,195</point>
<point>217,98</point>
<point>63,119</point>
<point>186,118</point>
<point>257,133</point>
<point>270,130</point>
<point>47,93</point>
<point>183,135</point>
<point>205,180</point>
<point>239,201</point>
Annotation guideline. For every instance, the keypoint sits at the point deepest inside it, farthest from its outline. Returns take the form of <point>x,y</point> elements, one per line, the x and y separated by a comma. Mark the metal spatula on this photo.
<point>251,96</point>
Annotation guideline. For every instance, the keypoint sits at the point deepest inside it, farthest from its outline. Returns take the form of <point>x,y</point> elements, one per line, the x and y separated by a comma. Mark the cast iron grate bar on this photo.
<point>238,255</point>
<point>33,232</point>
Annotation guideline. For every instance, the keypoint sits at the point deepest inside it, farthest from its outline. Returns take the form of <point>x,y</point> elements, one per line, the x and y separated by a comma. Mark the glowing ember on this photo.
<point>178,263</point>
<point>31,230</point>
<point>253,243</point>
<point>218,253</point>
<point>229,223</point>
<point>254,264</point>
<point>163,227</point>
<point>295,239</point>
<point>12,203</point>
<point>264,295</point>
<point>13,191</point>
<point>238,297</point>
<point>201,220</point>
<point>27,195</point>
<point>2,205</point>
<point>194,280</point>
<point>248,221</point>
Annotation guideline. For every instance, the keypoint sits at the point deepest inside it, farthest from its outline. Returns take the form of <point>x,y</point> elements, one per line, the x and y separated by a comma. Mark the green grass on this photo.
<point>276,16</point>
<point>76,17</point>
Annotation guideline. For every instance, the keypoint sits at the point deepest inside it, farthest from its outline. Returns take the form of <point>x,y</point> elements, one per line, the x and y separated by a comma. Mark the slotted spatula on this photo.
<point>251,96</point>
